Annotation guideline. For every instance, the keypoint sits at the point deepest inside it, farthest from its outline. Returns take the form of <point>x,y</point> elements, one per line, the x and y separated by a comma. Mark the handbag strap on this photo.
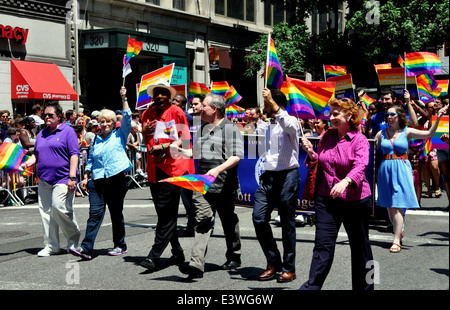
<point>390,139</point>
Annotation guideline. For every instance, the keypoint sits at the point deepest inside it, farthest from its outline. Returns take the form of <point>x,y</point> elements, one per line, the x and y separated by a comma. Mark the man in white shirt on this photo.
<point>279,186</point>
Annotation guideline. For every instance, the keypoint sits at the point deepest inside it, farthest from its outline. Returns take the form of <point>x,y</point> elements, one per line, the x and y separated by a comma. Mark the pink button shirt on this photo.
<point>347,157</point>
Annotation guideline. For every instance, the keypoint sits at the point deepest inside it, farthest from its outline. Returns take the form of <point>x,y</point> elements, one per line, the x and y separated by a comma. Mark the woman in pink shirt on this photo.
<point>343,195</point>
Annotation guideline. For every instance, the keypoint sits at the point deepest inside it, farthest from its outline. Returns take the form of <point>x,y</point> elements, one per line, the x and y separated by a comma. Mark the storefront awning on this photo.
<point>36,80</point>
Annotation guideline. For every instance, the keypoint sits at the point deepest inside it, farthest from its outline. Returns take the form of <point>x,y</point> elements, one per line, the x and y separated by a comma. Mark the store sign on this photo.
<point>16,33</point>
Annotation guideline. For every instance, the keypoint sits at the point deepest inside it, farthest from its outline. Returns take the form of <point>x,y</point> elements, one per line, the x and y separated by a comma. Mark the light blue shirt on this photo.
<point>108,157</point>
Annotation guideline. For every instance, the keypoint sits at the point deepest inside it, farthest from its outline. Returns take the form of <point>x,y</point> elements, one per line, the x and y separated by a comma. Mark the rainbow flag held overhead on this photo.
<point>164,73</point>
<point>427,87</point>
<point>383,66</point>
<point>219,88</point>
<point>12,156</point>
<point>298,104</point>
<point>422,63</point>
<point>317,97</point>
<point>133,49</point>
<point>198,89</point>
<point>367,100</point>
<point>196,182</point>
<point>333,71</point>
<point>234,111</point>
<point>274,73</point>
<point>232,96</point>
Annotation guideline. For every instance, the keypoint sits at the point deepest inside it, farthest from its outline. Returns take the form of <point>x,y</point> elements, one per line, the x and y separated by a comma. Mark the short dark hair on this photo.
<point>56,106</point>
<point>279,97</point>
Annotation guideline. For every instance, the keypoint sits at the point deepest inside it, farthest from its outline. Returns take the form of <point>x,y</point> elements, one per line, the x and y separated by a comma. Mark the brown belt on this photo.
<point>395,156</point>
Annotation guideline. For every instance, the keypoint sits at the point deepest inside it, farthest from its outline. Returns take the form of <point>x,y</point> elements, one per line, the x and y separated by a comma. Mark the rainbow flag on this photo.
<point>382,66</point>
<point>234,110</point>
<point>333,71</point>
<point>443,85</point>
<point>274,73</point>
<point>198,89</point>
<point>401,62</point>
<point>317,97</point>
<point>133,49</point>
<point>196,182</point>
<point>12,156</point>
<point>427,87</point>
<point>232,96</point>
<point>219,88</point>
<point>164,73</point>
<point>368,100</point>
<point>422,63</point>
<point>298,104</point>
<point>427,147</point>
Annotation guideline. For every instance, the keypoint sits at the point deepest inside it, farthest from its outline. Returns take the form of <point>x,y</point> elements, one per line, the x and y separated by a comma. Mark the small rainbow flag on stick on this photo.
<point>196,182</point>
<point>12,156</point>
<point>133,49</point>
<point>198,89</point>
<point>274,74</point>
<point>234,110</point>
<point>332,71</point>
<point>219,88</point>
<point>422,63</point>
<point>232,96</point>
<point>367,100</point>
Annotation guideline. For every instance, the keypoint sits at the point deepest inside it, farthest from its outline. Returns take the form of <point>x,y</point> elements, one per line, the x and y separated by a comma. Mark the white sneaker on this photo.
<point>300,219</point>
<point>47,251</point>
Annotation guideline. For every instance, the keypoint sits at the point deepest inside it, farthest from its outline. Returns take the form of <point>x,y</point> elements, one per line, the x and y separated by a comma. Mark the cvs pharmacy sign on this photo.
<point>17,33</point>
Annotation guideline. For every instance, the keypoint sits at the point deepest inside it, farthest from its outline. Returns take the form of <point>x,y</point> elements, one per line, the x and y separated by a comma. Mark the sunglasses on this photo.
<point>48,114</point>
<point>390,114</point>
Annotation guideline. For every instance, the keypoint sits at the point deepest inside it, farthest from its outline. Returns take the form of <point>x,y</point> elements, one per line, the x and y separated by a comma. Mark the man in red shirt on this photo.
<point>164,124</point>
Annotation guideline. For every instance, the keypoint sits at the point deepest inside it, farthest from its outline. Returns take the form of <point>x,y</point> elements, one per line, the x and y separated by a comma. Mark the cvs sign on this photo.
<point>16,33</point>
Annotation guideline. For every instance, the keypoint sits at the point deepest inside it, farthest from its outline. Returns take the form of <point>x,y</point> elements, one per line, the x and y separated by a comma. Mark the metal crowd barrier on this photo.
<point>134,155</point>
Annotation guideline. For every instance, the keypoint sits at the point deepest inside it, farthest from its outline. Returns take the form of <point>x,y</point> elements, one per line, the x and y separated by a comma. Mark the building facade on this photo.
<point>86,39</point>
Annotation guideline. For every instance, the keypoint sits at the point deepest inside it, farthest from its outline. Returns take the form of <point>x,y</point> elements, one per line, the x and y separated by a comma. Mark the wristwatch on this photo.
<point>73,178</point>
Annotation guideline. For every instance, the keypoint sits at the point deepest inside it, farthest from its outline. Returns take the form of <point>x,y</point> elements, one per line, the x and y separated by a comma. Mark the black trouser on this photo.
<point>166,198</point>
<point>330,214</point>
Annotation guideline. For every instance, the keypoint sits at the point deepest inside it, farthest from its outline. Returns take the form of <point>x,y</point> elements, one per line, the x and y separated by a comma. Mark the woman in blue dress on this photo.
<point>395,180</point>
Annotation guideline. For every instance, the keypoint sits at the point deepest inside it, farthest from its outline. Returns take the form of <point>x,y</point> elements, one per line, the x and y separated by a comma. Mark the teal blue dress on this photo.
<point>395,181</point>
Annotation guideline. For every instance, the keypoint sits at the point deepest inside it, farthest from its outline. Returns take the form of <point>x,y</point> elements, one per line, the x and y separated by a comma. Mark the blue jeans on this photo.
<point>107,191</point>
<point>277,188</point>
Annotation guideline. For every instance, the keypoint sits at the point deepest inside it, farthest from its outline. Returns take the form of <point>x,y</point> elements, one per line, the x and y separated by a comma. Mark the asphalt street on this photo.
<point>423,263</point>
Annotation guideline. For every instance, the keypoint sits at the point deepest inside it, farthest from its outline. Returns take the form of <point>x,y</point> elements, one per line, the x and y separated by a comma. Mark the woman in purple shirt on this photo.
<point>56,156</point>
<point>343,195</point>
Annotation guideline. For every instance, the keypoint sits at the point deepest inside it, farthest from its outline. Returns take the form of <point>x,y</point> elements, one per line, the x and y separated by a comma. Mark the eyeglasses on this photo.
<point>390,114</point>
<point>49,114</point>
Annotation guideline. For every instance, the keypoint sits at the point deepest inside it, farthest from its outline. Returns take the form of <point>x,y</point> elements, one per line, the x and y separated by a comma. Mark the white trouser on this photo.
<point>56,209</point>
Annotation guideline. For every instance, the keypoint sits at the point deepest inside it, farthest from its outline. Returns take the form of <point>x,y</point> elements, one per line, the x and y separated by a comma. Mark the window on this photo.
<point>238,9</point>
<point>153,1</point>
<point>179,4</point>
<point>319,22</point>
<point>274,14</point>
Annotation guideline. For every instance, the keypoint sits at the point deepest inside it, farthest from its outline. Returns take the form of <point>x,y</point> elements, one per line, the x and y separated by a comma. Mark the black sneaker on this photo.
<point>192,272</point>
<point>80,253</point>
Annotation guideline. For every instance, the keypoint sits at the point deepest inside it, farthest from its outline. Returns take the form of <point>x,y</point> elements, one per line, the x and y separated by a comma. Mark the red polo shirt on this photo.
<point>171,166</point>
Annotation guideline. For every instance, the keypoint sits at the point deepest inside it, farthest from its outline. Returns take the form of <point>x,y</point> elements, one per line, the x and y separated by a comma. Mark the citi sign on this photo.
<point>17,33</point>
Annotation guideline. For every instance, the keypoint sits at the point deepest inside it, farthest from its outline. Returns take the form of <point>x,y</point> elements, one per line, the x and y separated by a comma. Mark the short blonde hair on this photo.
<point>108,114</point>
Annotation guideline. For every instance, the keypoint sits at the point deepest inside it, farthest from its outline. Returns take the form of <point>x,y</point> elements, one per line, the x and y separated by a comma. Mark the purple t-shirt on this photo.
<point>53,151</point>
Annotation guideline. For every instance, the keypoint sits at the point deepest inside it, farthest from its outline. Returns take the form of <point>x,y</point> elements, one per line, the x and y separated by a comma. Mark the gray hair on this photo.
<point>219,102</point>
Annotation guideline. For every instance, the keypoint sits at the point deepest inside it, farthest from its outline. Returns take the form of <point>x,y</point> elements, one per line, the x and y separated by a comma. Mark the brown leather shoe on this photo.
<point>269,274</point>
<point>286,277</point>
